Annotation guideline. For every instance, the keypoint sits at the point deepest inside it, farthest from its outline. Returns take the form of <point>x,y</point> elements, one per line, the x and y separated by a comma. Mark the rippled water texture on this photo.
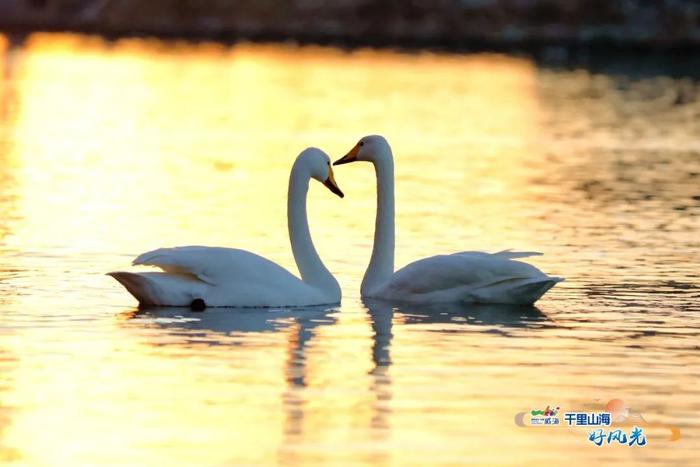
<point>111,149</point>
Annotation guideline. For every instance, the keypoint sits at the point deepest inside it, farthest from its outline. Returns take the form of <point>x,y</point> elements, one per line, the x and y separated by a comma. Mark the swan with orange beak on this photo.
<point>468,276</point>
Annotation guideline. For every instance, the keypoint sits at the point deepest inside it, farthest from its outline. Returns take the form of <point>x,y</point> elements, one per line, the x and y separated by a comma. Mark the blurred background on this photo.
<point>452,23</point>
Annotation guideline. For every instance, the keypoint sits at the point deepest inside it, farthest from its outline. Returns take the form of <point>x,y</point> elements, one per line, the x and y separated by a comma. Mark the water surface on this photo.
<point>111,149</point>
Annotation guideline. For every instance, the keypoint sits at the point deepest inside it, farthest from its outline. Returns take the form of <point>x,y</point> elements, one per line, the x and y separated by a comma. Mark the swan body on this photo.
<point>468,276</point>
<point>219,276</point>
<point>229,277</point>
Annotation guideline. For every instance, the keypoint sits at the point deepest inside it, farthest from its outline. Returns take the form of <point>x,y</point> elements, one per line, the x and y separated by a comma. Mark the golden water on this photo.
<point>108,150</point>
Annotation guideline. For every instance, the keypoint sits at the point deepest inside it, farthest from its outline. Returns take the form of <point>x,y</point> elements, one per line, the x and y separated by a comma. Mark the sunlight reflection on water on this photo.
<point>111,149</point>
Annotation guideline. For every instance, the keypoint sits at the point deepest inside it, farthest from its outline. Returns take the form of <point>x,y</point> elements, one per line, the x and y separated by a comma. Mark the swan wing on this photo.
<point>508,254</point>
<point>219,276</point>
<point>214,265</point>
<point>468,270</point>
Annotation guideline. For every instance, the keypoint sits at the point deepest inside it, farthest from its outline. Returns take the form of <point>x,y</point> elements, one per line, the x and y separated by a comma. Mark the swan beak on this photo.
<point>331,185</point>
<point>349,157</point>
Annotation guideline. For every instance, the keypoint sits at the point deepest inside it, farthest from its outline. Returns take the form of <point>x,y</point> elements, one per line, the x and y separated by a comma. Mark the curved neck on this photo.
<point>312,270</point>
<point>381,265</point>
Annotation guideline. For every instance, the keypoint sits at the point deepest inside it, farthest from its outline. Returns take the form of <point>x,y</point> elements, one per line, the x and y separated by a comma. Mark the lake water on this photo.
<point>108,150</point>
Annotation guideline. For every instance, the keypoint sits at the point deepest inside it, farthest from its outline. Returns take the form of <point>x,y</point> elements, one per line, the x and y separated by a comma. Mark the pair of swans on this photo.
<point>199,276</point>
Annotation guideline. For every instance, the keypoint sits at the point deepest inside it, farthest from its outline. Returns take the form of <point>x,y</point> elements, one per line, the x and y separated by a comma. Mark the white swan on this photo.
<point>201,276</point>
<point>469,276</point>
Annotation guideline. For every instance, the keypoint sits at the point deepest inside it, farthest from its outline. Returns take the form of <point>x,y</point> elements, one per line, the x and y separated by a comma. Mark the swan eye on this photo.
<point>362,143</point>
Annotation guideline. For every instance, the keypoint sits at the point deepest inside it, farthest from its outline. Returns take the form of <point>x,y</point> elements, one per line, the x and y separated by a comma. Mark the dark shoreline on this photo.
<point>345,41</point>
<point>630,58</point>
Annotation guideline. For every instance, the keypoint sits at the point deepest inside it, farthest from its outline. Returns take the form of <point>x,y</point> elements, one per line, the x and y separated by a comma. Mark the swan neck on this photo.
<point>381,265</point>
<point>310,266</point>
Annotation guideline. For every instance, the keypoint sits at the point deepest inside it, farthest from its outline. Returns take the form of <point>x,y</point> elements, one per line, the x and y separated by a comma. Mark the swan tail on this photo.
<point>529,293</point>
<point>160,289</point>
<point>137,285</point>
<point>515,292</point>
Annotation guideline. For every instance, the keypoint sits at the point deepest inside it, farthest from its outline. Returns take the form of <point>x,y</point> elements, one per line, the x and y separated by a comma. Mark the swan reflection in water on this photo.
<point>225,326</point>
<point>222,326</point>
<point>383,314</point>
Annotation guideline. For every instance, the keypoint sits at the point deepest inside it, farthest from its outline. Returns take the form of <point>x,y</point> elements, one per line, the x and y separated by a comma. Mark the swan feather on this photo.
<point>468,276</point>
<point>212,265</point>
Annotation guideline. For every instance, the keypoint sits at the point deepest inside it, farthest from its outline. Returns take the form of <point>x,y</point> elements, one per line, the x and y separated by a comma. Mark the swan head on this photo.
<point>372,148</point>
<point>318,166</point>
